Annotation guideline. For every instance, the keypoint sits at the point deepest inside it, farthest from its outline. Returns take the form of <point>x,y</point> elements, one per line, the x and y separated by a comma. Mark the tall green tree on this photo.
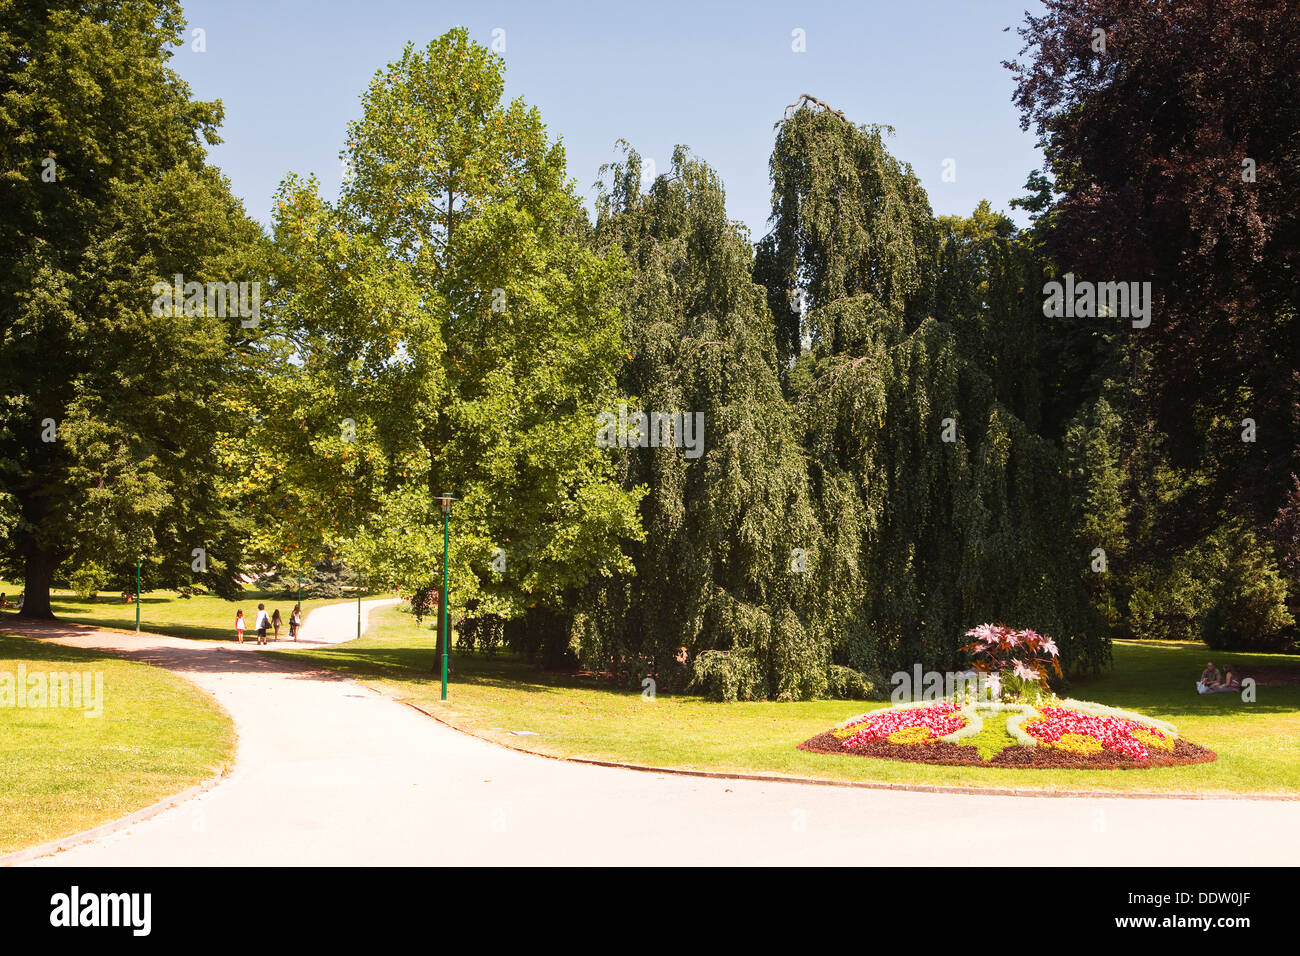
<point>722,585</point>
<point>450,332</point>
<point>113,400</point>
<point>1169,131</point>
<point>941,505</point>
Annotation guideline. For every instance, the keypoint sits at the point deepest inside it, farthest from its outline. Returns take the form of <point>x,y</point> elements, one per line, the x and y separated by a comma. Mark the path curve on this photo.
<point>332,773</point>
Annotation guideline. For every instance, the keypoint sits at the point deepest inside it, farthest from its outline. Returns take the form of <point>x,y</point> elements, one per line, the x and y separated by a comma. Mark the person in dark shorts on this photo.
<point>263,622</point>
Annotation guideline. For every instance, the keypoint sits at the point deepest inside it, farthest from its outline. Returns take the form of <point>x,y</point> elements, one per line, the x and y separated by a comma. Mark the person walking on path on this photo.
<point>263,622</point>
<point>276,622</point>
<point>295,621</point>
<point>239,626</point>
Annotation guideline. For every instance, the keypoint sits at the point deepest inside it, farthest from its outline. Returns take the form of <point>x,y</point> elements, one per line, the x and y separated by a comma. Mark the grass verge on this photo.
<point>1258,743</point>
<point>62,772</point>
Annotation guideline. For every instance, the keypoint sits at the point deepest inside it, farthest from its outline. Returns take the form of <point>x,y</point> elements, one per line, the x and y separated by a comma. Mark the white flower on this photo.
<point>1026,672</point>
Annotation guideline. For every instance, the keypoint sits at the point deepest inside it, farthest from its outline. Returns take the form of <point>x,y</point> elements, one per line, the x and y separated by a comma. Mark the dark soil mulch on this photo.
<point>1032,758</point>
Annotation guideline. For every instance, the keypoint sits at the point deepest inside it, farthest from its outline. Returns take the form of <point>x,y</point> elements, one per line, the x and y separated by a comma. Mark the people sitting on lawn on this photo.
<point>4,599</point>
<point>1212,683</point>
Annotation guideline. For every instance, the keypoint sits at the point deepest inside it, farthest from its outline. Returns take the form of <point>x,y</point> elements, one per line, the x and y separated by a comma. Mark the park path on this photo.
<point>329,772</point>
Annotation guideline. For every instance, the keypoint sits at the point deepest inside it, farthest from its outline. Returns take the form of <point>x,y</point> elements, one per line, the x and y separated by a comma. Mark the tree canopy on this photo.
<point>114,401</point>
<point>449,332</point>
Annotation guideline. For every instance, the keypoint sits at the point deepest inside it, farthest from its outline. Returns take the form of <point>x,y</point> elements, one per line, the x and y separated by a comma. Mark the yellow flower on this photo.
<point>1152,739</point>
<point>911,736</point>
<point>1078,744</point>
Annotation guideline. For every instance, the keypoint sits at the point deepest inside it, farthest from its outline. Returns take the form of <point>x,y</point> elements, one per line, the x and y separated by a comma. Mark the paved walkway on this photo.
<point>329,772</point>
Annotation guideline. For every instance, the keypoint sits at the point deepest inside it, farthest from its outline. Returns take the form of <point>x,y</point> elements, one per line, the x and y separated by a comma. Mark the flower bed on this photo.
<point>1057,733</point>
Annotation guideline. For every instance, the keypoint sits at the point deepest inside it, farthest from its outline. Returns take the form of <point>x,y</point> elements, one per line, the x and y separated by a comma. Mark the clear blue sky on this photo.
<point>715,76</point>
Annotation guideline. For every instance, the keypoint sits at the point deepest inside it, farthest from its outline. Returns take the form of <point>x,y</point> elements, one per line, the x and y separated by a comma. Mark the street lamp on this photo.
<point>446,500</point>
<point>137,595</point>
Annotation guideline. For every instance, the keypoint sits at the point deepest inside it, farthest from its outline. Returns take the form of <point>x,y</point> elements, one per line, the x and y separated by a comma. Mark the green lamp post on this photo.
<point>446,500</point>
<point>137,595</point>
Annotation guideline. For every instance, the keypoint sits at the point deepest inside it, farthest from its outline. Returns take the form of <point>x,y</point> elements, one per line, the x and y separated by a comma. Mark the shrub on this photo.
<point>1170,603</point>
<point>1249,602</point>
<point>845,682</point>
<point>88,579</point>
<point>730,675</point>
<point>484,633</point>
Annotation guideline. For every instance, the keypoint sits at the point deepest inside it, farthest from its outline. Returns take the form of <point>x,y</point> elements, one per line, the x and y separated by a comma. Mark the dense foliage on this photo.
<point>113,404</point>
<point>919,395</point>
<point>1174,151</point>
<point>778,470</point>
<point>449,331</point>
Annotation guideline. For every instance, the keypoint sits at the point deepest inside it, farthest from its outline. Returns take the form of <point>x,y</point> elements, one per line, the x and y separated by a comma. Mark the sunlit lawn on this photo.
<point>1258,743</point>
<point>62,772</point>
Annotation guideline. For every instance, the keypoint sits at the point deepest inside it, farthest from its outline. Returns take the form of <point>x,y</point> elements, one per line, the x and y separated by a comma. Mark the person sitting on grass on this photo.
<point>1231,679</point>
<point>1230,684</point>
<point>4,599</point>
<point>1210,677</point>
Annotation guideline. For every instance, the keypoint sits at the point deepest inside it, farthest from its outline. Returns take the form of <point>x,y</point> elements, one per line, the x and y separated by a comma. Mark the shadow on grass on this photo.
<point>30,641</point>
<point>25,649</point>
<point>193,632</point>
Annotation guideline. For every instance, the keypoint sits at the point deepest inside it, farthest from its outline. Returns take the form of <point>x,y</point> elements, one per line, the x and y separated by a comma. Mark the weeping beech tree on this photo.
<point>722,591</point>
<point>941,507</point>
<point>881,464</point>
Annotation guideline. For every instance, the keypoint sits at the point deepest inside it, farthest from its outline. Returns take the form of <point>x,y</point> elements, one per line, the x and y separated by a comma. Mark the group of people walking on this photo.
<point>272,622</point>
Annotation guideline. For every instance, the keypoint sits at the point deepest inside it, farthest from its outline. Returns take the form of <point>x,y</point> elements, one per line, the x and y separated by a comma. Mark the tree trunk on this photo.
<point>37,578</point>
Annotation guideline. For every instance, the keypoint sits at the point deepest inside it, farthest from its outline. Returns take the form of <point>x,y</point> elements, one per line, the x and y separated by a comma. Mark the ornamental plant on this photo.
<point>1017,661</point>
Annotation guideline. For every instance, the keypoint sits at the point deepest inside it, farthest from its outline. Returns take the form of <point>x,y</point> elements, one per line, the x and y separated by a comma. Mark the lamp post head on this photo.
<point>446,500</point>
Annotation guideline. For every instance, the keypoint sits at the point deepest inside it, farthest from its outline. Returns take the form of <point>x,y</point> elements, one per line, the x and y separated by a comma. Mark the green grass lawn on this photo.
<point>1258,744</point>
<point>203,617</point>
<point>62,772</point>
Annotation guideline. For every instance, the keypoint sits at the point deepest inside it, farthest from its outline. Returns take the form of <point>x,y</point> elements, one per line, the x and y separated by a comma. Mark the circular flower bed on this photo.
<point>1055,733</point>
